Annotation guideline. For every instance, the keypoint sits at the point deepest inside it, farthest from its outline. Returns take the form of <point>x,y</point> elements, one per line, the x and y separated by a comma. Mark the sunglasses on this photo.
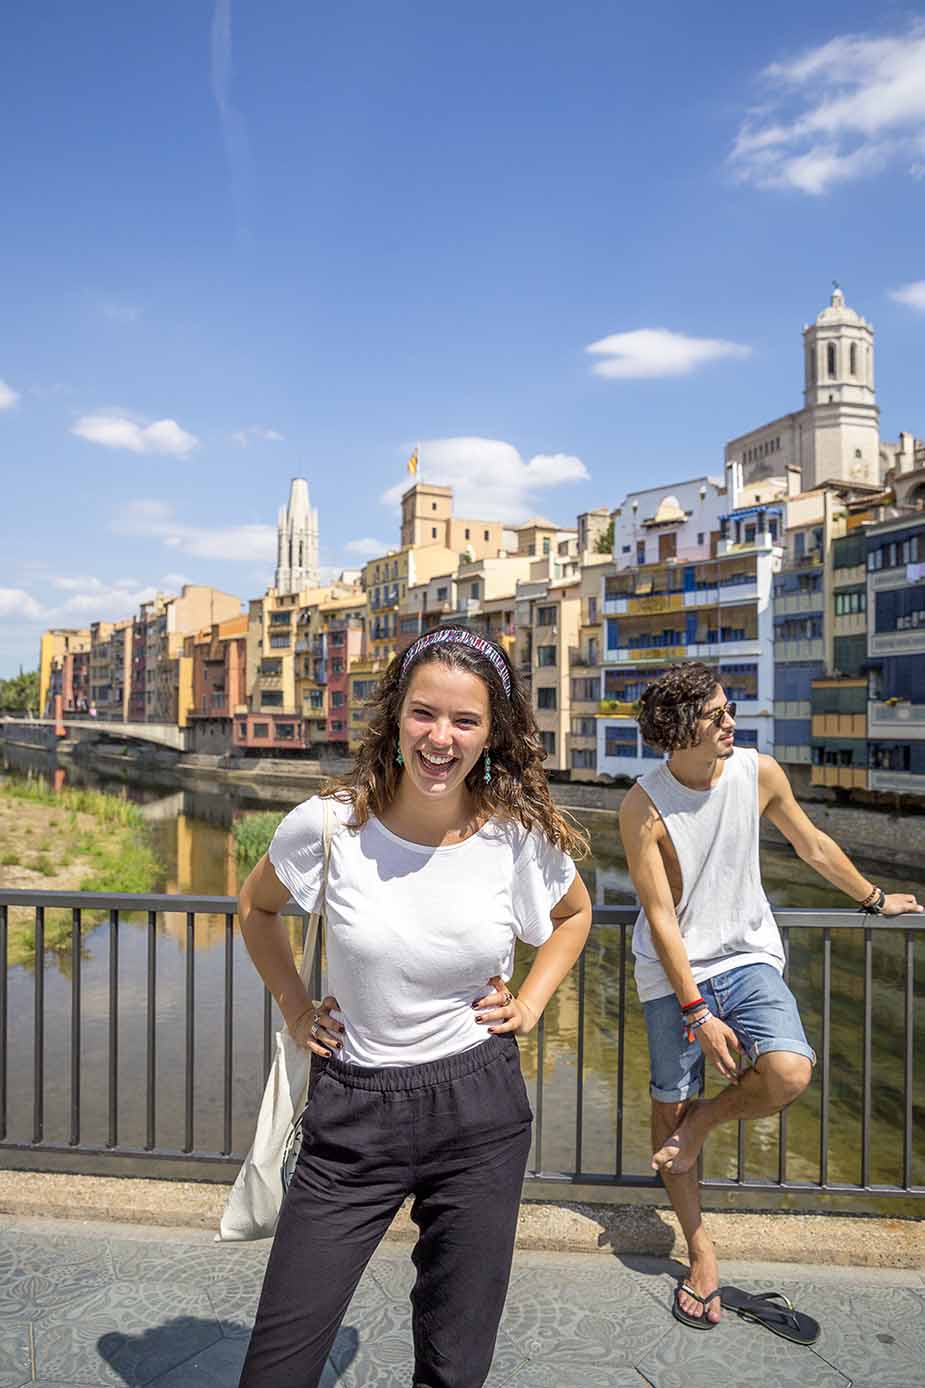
<point>716,715</point>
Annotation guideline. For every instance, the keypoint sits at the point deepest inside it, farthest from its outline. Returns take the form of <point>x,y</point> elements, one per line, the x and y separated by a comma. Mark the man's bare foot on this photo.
<point>680,1151</point>
<point>704,1279</point>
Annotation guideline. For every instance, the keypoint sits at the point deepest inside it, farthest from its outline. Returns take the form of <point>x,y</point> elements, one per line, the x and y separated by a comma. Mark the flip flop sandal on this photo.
<point>782,1320</point>
<point>696,1322</point>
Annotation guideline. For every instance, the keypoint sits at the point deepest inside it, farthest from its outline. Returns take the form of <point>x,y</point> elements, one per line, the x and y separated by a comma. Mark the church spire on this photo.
<point>297,542</point>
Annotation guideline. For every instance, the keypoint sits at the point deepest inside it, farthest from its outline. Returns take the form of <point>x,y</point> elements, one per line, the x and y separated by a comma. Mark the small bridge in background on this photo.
<point>40,732</point>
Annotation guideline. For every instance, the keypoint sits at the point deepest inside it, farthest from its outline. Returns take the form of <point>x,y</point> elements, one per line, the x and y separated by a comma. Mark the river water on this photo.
<point>191,833</point>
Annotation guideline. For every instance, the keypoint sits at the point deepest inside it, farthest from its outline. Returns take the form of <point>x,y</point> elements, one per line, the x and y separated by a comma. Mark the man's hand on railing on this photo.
<point>901,904</point>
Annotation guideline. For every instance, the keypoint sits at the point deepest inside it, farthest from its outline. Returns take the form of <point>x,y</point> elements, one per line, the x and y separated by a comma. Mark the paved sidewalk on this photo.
<point>84,1304</point>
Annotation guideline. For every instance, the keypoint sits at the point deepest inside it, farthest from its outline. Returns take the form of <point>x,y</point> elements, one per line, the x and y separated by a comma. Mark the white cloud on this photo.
<point>911,294</point>
<point>164,436</point>
<point>490,479</point>
<point>243,436</point>
<point>119,312</point>
<point>837,112</point>
<point>155,520</point>
<point>651,352</point>
<point>367,547</point>
<point>8,396</point>
<point>19,606</point>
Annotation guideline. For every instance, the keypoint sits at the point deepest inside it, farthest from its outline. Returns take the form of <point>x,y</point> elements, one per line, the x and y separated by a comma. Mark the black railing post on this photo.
<point>190,1028</point>
<point>229,1029</point>
<point>4,931</point>
<point>38,1054</point>
<point>113,1138</point>
<point>151,1038</point>
<point>74,1139</point>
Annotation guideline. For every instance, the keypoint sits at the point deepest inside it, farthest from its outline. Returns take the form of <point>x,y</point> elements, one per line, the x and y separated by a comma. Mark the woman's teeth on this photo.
<point>436,763</point>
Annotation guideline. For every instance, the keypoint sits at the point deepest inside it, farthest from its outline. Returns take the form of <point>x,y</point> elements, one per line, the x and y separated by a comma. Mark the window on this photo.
<point>549,743</point>
<point>546,698</point>
<point>626,549</point>
<point>474,591</point>
<point>261,730</point>
<point>271,665</point>
<point>853,359</point>
<point>315,698</point>
<point>337,726</point>
<point>271,698</point>
<point>585,689</point>
<point>545,655</point>
<point>277,642</point>
<point>285,732</point>
<point>443,594</point>
<point>433,505</point>
<point>582,758</point>
<point>592,611</point>
<point>242,729</point>
<point>545,616</point>
<point>830,360</point>
<point>584,727</point>
<point>468,534</point>
<point>700,537</point>
<point>485,534</point>
<point>640,551</point>
<point>433,532</point>
<point>619,740</point>
<point>338,698</point>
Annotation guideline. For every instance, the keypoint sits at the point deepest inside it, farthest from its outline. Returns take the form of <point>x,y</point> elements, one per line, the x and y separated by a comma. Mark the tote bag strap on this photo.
<point>317,916</point>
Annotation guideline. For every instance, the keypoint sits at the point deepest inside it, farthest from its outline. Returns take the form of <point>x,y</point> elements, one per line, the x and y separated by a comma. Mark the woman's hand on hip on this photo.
<point>499,1011</point>
<point>316,1030</point>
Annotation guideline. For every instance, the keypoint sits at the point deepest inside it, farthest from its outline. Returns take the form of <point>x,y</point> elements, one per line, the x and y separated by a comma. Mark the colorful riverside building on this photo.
<point>213,683</point>
<point>896,654</point>
<point>64,669</point>
<point>692,581</point>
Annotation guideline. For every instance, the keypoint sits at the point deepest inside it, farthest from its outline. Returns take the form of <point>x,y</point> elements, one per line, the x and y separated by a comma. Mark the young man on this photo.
<point>709,958</point>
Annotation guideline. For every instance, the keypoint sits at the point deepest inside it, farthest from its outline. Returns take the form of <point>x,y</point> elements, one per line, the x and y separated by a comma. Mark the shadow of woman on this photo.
<point>189,1352</point>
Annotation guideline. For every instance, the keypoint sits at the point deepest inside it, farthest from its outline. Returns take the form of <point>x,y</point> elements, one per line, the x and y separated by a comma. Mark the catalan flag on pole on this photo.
<point>413,462</point>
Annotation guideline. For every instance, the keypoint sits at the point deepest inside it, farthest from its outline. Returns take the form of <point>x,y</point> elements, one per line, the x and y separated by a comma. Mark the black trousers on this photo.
<point>455,1134</point>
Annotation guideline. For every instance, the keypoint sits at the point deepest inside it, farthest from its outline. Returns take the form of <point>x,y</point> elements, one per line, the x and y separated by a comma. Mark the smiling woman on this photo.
<point>446,850</point>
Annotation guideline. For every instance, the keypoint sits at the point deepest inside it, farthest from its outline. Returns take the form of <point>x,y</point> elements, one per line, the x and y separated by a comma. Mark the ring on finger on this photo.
<point>314,1028</point>
<point>508,997</point>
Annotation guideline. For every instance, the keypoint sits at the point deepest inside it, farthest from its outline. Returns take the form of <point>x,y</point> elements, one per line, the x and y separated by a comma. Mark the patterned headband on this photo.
<point>458,636</point>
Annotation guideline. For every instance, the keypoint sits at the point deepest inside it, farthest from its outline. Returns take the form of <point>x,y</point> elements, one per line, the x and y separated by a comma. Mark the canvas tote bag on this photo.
<point>253,1205</point>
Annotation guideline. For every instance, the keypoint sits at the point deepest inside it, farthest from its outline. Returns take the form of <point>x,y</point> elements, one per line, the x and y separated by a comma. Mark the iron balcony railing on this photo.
<point>35,1149</point>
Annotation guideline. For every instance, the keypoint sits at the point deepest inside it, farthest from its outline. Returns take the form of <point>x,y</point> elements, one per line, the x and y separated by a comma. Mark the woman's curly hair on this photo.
<point>669,710</point>
<point>518,789</point>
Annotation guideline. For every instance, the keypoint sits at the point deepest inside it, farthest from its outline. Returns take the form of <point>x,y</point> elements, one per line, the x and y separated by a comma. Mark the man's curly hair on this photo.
<point>669,710</point>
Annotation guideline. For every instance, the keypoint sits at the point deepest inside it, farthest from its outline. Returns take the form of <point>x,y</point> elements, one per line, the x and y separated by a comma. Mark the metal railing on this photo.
<point>40,1152</point>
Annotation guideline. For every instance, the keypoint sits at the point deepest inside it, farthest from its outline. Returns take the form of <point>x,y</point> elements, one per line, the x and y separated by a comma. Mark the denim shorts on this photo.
<point>753,1000</point>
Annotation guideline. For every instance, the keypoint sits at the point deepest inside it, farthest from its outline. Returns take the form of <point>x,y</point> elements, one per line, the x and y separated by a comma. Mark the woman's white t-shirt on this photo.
<point>413,934</point>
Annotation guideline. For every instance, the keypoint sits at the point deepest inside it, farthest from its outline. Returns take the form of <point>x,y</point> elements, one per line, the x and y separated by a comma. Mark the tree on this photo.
<point>20,694</point>
<point>604,543</point>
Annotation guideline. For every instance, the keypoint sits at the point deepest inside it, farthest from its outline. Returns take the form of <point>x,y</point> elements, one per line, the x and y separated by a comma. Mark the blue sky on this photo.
<point>243,242</point>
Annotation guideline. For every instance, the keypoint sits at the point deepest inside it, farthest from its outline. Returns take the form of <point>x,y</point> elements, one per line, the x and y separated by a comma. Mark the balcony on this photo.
<point>799,604</point>
<point>900,782</point>
<point>616,708</point>
<point>582,660</point>
<point>799,650</point>
<point>844,777</point>
<point>896,720</point>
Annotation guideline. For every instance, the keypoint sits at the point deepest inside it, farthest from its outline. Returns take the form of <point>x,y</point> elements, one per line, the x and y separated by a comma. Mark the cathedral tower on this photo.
<point>841,420</point>
<point>297,542</point>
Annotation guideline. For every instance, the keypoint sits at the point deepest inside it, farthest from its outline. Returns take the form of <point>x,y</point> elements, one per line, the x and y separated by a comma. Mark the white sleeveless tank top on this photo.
<point>724,915</point>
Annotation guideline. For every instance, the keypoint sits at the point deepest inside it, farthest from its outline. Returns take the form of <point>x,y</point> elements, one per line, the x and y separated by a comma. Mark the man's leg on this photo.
<point>776,1079</point>
<point>684,1193</point>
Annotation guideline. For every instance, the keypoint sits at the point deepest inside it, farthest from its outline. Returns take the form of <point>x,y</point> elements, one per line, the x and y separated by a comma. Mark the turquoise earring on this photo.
<point>399,759</point>
<point>487,776</point>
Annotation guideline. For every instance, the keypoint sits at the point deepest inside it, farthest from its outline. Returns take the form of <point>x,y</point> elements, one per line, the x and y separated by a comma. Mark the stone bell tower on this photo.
<point>841,420</point>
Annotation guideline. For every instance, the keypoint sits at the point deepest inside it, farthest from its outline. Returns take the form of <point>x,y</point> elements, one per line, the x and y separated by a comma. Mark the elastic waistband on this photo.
<point>404,1078</point>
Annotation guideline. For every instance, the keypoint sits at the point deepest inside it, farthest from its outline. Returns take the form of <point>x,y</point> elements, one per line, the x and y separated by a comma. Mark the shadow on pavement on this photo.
<point>187,1351</point>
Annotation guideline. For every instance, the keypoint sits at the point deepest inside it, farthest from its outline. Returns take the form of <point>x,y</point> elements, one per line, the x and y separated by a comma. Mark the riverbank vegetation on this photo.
<point>68,840</point>
<point>252,835</point>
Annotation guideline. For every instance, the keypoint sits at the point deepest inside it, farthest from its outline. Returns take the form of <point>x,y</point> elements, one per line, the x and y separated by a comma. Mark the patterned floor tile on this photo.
<point>580,1317</point>
<point>535,1375</point>
<point>218,1366</point>
<point>194,1265</point>
<point>867,1332</point>
<point>126,1334</point>
<point>38,1274</point>
<point>722,1358</point>
<point>15,1356</point>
